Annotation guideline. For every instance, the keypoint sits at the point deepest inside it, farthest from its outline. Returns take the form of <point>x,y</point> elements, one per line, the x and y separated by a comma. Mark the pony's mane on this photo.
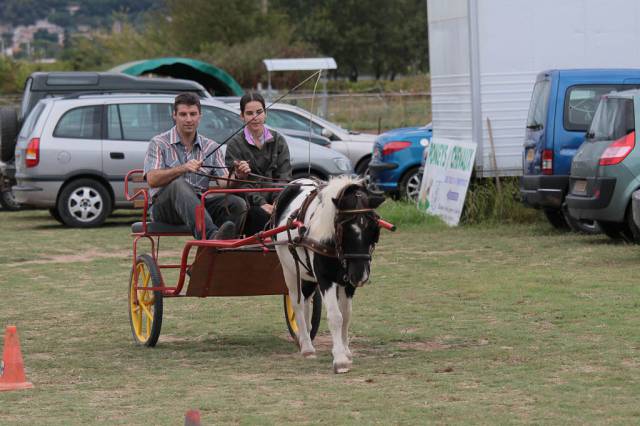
<point>320,223</point>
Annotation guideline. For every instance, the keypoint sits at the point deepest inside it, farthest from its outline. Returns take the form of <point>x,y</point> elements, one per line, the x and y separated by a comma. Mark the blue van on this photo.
<point>562,106</point>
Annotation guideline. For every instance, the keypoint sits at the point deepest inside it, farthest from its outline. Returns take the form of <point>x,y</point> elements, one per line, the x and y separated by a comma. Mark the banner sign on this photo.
<point>447,173</point>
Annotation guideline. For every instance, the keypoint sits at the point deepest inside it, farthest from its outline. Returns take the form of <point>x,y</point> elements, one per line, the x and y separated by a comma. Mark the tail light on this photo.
<point>32,154</point>
<point>547,162</point>
<point>618,150</point>
<point>395,146</point>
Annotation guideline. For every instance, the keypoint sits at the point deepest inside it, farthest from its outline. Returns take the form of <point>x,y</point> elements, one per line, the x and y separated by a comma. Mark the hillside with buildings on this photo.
<point>38,29</point>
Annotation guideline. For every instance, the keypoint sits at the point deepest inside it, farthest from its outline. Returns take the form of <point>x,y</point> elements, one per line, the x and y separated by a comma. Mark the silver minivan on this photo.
<point>72,153</point>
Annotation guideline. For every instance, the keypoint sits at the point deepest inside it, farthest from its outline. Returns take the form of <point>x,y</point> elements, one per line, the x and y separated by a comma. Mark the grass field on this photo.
<point>473,325</point>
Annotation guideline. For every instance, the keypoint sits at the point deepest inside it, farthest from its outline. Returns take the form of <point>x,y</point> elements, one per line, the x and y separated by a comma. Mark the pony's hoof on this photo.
<point>340,368</point>
<point>309,355</point>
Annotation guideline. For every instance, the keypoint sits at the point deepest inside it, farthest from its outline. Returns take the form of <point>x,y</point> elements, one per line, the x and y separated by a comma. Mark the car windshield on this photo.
<point>538,108</point>
<point>614,119</point>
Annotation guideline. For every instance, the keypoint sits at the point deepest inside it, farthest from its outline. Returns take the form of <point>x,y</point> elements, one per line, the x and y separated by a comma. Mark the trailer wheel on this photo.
<point>316,315</point>
<point>145,306</point>
<point>8,201</point>
<point>8,133</point>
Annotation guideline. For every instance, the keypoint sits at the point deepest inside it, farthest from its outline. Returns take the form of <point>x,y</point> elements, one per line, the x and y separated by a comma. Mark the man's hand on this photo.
<point>267,208</point>
<point>191,166</point>
<point>241,169</point>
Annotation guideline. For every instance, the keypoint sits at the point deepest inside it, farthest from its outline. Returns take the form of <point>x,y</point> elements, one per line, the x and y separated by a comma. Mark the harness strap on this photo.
<point>315,246</point>
<point>299,214</point>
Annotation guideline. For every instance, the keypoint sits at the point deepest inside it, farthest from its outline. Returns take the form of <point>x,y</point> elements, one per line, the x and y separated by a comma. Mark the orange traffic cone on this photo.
<point>12,375</point>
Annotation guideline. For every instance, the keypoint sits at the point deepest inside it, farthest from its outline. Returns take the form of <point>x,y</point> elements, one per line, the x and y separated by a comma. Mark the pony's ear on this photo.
<point>375,200</point>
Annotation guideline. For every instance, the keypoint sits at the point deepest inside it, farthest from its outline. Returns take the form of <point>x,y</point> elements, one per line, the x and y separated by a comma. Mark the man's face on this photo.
<point>187,118</point>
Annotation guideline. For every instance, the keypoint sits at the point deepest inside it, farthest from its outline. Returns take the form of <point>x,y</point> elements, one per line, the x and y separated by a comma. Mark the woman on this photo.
<point>267,154</point>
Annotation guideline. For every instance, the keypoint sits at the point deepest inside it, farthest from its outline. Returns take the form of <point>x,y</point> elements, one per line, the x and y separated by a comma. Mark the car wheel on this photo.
<point>54,214</point>
<point>363,166</point>
<point>557,219</point>
<point>612,230</point>
<point>8,133</point>
<point>631,231</point>
<point>84,203</point>
<point>410,184</point>
<point>8,201</point>
<point>581,226</point>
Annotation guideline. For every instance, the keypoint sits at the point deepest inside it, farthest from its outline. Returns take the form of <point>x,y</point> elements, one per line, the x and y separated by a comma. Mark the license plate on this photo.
<point>531,153</point>
<point>580,187</point>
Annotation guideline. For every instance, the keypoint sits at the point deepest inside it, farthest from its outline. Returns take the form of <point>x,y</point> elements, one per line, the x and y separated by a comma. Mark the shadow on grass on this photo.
<point>235,345</point>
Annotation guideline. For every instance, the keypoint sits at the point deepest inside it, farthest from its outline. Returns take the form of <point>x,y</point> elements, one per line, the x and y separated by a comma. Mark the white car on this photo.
<point>356,146</point>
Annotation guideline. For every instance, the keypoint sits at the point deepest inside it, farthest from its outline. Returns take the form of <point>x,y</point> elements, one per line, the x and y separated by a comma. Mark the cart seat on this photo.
<point>160,228</point>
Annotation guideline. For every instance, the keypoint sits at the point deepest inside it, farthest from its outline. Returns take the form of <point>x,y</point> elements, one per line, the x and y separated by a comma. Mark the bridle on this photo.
<point>335,250</point>
<point>344,216</point>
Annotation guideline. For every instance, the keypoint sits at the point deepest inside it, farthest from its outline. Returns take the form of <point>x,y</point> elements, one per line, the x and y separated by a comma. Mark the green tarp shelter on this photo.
<point>214,79</point>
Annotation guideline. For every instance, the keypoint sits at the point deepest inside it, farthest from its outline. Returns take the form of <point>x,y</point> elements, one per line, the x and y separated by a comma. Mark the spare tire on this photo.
<point>8,133</point>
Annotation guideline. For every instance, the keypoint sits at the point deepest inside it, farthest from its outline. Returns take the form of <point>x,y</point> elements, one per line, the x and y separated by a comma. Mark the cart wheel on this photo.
<point>145,310</point>
<point>290,315</point>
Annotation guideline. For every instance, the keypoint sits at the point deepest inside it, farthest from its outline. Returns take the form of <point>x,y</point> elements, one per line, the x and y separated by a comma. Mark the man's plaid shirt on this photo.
<point>166,150</point>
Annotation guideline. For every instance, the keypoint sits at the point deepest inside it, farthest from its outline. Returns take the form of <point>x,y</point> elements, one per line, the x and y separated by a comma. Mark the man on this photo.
<point>171,165</point>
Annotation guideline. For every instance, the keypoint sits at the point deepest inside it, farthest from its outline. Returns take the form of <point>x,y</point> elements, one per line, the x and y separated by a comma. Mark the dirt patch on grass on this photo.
<point>85,256</point>
<point>423,346</point>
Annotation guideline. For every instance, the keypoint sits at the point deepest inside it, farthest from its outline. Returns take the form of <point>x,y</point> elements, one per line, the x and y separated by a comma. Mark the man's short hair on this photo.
<point>188,99</point>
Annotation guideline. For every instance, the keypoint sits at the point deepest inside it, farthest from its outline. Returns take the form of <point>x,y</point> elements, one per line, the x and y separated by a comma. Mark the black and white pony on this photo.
<point>331,252</point>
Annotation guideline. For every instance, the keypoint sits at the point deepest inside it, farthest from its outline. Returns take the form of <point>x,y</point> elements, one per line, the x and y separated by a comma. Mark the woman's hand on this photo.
<point>241,169</point>
<point>267,208</point>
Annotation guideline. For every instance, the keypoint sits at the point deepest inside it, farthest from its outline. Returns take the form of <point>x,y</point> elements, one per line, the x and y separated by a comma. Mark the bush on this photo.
<point>485,203</point>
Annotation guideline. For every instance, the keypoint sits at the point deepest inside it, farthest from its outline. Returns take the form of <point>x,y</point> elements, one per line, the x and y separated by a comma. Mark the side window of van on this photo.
<point>138,122</point>
<point>80,123</point>
<point>580,104</point>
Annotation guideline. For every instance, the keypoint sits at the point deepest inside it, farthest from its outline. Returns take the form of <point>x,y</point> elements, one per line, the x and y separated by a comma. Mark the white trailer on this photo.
<point>485,54</point>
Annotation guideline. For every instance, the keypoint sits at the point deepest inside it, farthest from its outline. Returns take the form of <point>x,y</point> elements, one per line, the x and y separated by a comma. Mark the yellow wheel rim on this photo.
<point>291,315</point>
<point>142,307</point>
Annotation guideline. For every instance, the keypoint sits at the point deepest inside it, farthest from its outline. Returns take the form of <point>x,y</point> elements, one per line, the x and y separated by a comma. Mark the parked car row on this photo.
<point>562,107</point>
<point>72,153</point>
<point>581,164</point>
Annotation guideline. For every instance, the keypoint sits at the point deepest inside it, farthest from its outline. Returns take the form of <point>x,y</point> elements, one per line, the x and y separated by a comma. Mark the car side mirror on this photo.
<point>327,133</point>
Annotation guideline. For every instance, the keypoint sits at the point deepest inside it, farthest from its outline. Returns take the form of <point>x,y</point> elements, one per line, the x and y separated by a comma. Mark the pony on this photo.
<point>331,253</point>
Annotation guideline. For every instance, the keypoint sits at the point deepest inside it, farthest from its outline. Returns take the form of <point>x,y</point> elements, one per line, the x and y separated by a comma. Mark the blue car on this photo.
<point>396,160</point>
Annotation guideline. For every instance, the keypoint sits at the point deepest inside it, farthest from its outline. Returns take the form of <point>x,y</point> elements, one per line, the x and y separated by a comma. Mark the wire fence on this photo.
<point>374,113</point>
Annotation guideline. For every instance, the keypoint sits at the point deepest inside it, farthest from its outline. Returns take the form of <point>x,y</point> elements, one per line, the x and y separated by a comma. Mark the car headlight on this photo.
<point>343,164</point>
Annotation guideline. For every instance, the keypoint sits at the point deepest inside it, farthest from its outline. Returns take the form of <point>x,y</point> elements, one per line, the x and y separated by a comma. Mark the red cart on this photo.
<point>213,272</point>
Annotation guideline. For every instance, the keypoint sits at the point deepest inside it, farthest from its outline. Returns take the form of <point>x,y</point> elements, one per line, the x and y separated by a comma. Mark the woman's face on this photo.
<point>254,114</point>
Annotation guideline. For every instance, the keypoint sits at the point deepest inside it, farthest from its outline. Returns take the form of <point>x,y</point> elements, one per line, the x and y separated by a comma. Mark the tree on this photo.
<point>364,36</point>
